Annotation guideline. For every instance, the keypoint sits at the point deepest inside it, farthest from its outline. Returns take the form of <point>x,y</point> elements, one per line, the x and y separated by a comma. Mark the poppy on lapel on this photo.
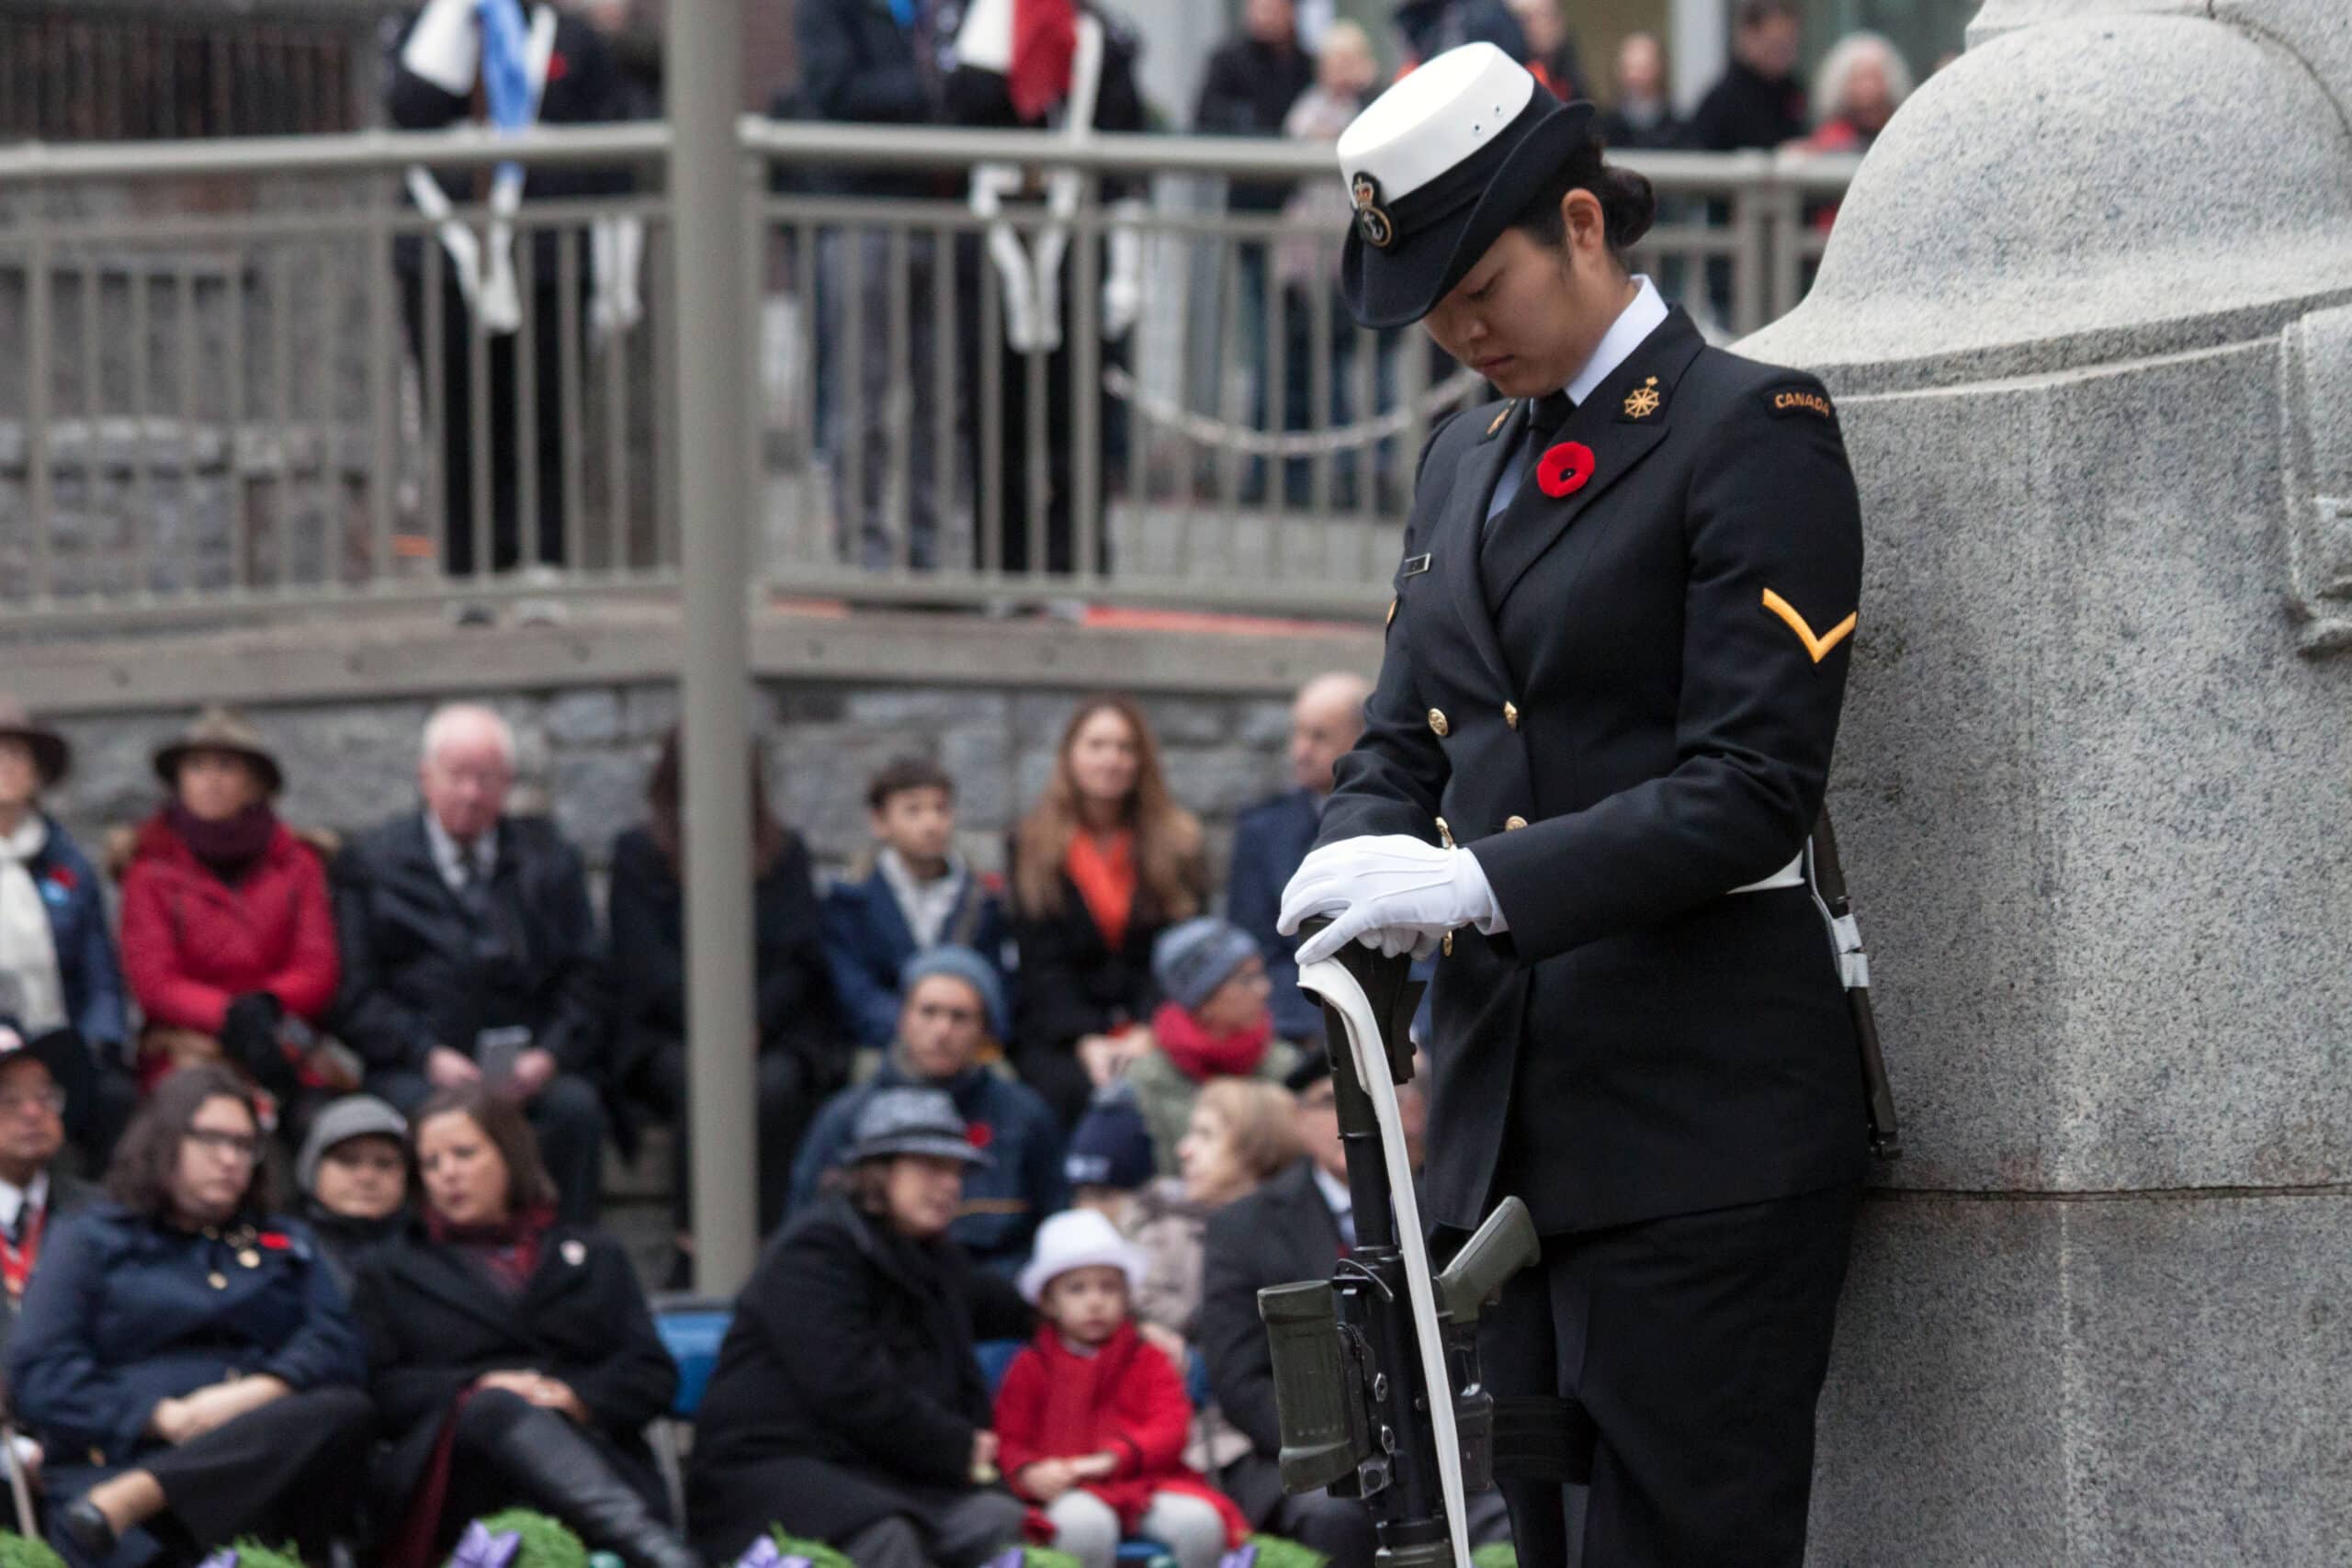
<point>1565,468</point>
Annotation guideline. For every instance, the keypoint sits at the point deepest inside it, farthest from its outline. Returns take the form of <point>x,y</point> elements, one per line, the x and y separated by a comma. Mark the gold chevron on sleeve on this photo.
<point>1818,647</point>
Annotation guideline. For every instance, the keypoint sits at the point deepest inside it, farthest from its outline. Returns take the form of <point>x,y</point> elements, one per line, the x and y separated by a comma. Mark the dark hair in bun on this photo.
<point>1628,206</point>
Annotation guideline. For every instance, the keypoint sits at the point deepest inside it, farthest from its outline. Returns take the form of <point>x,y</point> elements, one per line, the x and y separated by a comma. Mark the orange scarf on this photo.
<point>1104,871</point>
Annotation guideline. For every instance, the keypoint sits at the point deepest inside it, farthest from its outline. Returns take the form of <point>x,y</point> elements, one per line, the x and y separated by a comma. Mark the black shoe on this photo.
<point>560,1472</point>
<point>81,1523</point>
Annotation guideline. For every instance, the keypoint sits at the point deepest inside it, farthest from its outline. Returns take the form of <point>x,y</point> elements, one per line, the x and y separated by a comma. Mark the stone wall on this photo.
<point>587,751</point>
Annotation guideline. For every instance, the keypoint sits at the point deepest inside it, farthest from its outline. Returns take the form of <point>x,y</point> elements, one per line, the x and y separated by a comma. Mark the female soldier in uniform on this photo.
<point>1599,740</point>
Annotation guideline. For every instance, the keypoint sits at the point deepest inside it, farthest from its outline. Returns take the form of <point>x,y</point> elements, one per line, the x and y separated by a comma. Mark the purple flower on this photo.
<point>765,1553</point>
<point>1239,1557</point>
<point>224,1558</point>
<point>479,1548</point>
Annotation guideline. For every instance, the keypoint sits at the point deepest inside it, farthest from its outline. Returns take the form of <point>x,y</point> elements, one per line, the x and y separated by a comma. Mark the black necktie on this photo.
<point>1544,422</point>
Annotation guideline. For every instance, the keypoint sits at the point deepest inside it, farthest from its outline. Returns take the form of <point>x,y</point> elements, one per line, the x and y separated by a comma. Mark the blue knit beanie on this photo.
<point>1112,1147</point>
<point>1191,961</point>
<point>972,969</point>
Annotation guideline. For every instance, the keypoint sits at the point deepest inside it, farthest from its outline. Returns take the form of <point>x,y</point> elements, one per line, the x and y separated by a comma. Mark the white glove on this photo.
<point>445,48</point>
<point>1123,290</point>
<point>616,249</point>
<point>1392,892</point>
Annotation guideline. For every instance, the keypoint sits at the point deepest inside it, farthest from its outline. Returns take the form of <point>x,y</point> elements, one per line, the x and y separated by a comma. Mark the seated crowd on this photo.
<point>1079,1112</point>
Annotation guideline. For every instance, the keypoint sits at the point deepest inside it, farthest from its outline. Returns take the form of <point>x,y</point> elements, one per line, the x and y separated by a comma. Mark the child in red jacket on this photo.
<point>1091,1420</point>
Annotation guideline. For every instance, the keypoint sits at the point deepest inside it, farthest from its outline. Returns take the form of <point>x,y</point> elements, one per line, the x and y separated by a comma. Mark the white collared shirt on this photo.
<point>925,906</point>
<point>1641,317</point>
<point>1341,1201</point>
<point>453,857</point>
<point>15,1199</point>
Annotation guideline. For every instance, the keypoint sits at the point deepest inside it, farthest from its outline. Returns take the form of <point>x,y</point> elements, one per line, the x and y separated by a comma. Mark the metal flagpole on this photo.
<point>704,88</point>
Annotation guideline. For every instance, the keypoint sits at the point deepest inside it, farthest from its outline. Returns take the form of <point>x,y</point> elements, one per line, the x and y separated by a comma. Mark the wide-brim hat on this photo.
<point>63,1052</point>
<point>1078,1238</point>
<point>1438,166</point>
<point>912,1121</point>
<point>221,730</point>
<point>52,756</point>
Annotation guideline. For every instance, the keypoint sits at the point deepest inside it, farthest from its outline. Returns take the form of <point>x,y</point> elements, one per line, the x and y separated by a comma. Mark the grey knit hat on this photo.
<point>910,1122</point>
<point>1191,961</point>
<point>968,966</point>
<point>353,1116</point>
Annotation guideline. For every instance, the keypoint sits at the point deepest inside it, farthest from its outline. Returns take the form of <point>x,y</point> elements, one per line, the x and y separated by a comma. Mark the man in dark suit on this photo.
<point>44,1083</point>
<point>1295,1228</point>
<point>1600,737</point>
<point>469,947</point>
<point>1272,838</point>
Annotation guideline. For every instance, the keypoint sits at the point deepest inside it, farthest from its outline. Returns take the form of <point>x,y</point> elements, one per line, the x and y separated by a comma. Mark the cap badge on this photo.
<point>1565,468</point>
<point>1642,401</point>
<point>1370,221</point>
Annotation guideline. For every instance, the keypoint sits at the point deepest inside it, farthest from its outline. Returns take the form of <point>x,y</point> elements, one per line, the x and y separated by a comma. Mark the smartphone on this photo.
<point>495,1050</point>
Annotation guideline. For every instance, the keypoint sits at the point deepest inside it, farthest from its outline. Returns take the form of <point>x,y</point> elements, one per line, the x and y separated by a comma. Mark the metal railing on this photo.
<point>241,375</point>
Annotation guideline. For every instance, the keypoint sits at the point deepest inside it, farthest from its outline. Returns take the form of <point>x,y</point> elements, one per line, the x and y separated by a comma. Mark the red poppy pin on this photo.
<point>277,1241</point>
<point>558,68</point>
<point>1565,468</point>
<point>61,878</point>
<point>979,1135</point>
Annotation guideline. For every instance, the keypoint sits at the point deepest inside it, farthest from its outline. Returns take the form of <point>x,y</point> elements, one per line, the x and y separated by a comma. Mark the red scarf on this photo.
<point>1200,1056</point>
<point>509,1250</point>
<point>1104,871</point>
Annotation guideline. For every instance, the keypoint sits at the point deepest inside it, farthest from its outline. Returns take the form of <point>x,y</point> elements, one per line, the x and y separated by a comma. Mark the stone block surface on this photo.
<point>2100,1384</point>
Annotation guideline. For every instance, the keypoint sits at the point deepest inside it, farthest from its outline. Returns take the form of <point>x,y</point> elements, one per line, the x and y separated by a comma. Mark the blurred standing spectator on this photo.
<point>868,62</point>
<point>469,950</point>
<point>454,50</point>
<point>185,1357</point>
<point>40,1082</point>
<point>1552,57</point>
<point>1214,1024</point>
<point>1271,838</point>
<point>847,1402</point>
<point>513,1358</point>
<point>1027,77</point>
<point>354,1174</point>
<point>919,895</point>
<point>1251,83</point>
<point>227,937</point>
<point>1862,80</point>
<point>1641,115</point>
<point>1759,102</point>
<point>952,995</point>
<point>1102,865</point>
<point>1430,28</point>
<point>800,1059</point>
<point>1306,259</point>
<point>57,959</point>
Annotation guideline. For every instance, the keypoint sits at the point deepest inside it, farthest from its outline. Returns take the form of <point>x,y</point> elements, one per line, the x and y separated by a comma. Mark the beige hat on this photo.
<point>221,729</point>
<point>52,755</point>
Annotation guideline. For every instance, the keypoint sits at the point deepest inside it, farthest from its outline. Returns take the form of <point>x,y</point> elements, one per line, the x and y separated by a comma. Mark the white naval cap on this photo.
<point>1437,167</point>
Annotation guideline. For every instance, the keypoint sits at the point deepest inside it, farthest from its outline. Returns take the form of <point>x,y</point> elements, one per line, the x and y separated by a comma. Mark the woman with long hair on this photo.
<point>1102,863</point>
<point>802,1056</point>
<point>514,1357</point>
<point>185,1357</point>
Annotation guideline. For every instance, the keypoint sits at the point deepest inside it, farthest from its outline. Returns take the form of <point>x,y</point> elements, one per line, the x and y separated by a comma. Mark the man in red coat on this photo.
<point>1091,1421</point>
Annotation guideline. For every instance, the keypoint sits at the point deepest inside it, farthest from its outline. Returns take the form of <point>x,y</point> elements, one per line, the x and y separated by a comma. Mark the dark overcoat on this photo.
<point>1623,699</point>
<point>125,1312</point>
<point>846,1389</point>
<point>434,1322</point>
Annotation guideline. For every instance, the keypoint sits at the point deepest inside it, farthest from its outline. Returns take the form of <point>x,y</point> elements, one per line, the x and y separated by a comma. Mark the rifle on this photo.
<point>1357,1355</point>
<point>1854,970</point>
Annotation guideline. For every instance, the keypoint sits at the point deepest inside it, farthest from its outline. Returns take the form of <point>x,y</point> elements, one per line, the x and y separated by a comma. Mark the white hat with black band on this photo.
<point>1438,166</point>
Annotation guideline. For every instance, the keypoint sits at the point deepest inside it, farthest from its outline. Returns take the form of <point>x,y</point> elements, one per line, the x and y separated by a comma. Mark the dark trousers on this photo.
<point>1696,1345</point>
<point>1044,426</point>
<point>569,1118</point>
<point>489,1471</point>
<point>788,1101</point>
<point>291,1470</point>
<point>514,540</point>
<point>1059,1079</point>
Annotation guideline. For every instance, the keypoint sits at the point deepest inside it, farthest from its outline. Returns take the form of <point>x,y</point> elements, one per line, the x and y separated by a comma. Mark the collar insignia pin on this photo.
<point>1643,400</point>
<point>1370,221</point>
